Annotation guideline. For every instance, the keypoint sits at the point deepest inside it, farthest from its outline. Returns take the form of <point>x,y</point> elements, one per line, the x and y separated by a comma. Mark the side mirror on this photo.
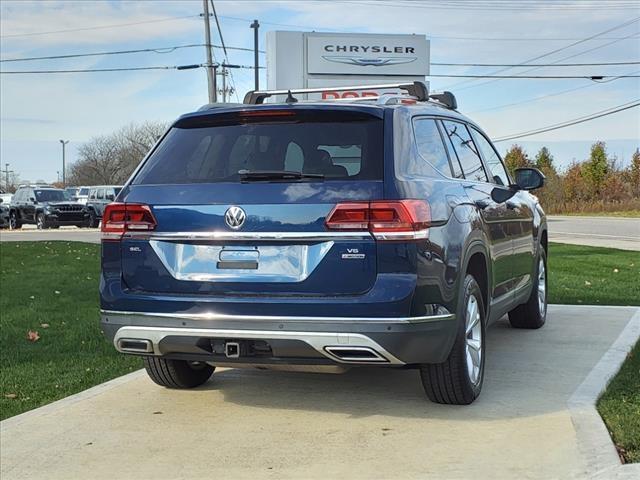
<point>529,178</point>
<point>32,199</point>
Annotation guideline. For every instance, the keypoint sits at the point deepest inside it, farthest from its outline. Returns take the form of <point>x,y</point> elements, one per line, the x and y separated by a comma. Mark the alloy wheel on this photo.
<point>473,339</point>
<point>542,287</point>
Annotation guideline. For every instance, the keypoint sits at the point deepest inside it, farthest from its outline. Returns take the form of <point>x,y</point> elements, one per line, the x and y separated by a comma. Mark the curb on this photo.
<point>66,401</point>
<point>594,441</point>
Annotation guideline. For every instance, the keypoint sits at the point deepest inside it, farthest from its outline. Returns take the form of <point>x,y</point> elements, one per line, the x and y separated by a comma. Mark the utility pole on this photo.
<point>224,84</point>
<point>64,175</point>
<point>6,174</point>
<point>211,74</point>
<point>256,63</point>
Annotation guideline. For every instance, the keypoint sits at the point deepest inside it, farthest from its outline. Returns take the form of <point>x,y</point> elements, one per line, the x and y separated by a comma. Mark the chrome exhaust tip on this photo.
<point>355,354</point>
<point>135,345</point>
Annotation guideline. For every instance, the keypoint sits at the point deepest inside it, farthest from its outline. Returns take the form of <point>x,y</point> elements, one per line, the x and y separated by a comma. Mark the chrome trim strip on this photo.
<point>317,340</point>
<point>258,236</point>
<point>266,318</point>
<point>417,235</point>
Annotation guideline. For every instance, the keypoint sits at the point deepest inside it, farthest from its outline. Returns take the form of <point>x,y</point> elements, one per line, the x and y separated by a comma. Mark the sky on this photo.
<point>38,110</point>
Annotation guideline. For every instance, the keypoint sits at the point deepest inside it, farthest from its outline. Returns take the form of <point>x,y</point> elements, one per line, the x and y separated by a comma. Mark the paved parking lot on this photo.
<point>367,423</point>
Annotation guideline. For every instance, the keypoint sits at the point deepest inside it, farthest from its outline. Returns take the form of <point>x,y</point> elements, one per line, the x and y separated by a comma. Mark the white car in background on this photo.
<point>82,194</point>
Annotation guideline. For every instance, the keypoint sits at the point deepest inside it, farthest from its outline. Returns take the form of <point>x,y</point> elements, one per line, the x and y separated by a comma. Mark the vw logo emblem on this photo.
<point>235,217</point>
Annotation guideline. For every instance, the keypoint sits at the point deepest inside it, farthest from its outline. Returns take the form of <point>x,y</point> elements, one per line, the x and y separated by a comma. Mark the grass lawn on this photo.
<point>51,288</point>
<point>620,408</point>
<point>593,275</point>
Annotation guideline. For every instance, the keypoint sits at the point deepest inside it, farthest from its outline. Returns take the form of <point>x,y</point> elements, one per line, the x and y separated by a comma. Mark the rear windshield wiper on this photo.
<point>265,175</point>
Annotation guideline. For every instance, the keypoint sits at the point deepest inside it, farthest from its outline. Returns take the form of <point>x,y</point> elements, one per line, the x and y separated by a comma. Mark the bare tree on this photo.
<point>110,159</point>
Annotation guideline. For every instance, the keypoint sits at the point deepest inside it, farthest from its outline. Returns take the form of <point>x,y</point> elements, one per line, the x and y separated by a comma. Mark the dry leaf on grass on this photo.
<point>33,336</point>
<point>44,325</point>
<point>10,395</point>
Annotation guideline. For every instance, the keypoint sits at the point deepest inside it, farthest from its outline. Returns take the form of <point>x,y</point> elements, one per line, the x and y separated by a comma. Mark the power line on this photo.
<point>568,123</point>
<point>124,69</point>
<point>226,58</point>
<point>537,65</point>
<point>97,27</point>
<point>121,52</point>
<point>498,6</point>
<point>542,97</point>
<point>616,27</point>
<point>536,77</point>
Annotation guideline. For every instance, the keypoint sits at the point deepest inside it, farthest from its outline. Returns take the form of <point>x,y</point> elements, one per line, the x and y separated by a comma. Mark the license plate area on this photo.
<point>278,262</point>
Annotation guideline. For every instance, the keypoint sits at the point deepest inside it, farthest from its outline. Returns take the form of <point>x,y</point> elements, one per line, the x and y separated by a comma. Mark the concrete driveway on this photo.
<point>612,232</point>
<point>367,423</point>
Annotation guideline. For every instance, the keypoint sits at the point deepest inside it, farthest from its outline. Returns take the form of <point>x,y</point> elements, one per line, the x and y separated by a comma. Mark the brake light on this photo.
<point>119,218</point>
<point>386,220</point>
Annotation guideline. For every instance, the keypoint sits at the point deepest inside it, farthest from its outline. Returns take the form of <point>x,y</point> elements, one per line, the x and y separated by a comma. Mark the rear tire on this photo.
<point>41,222</point>
<point>93,221</point>
<point>14,223</point>
<point>177,373</point>
<point>533,314</point>
<point>458,380</point>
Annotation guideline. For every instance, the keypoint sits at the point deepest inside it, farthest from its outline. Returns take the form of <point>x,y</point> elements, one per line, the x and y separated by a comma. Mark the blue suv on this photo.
<point>320,236</point>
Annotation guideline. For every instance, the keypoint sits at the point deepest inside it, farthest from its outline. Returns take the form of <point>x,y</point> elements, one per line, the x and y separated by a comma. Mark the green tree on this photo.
<point>544,161</point>
<point>594,170</point>
<point>633,173</point>
<point>516,157</point>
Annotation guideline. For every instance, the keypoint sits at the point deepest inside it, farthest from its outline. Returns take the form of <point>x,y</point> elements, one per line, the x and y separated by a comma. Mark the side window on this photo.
<point>430,145</point>
<point>92,194</point>
<point>100,194</point>
<point>294,158</point>
<point>466,151</point>
<point>491,158</point>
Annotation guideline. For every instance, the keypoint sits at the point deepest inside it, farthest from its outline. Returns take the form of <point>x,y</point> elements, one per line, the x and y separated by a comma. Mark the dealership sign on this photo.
<point>367,55</point>
<point>310,59</point>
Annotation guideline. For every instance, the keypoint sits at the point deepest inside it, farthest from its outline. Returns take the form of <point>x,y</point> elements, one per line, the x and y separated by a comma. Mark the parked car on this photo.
<point>82,193</point>
<point>4,213</point>
<point>72,193</point>
<point>6,198</point>
<point>99,197</point>
<point>323,235</point>
<point>45,207</point>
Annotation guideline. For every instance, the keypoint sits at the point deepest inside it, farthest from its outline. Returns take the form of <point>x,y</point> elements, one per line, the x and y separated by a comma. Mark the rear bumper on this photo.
<point>288,340</point>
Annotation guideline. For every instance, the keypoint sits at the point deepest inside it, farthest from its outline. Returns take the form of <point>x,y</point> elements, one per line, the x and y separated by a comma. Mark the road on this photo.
<point>613,232</point>
<point>366,423</point>
<point>621,233</point>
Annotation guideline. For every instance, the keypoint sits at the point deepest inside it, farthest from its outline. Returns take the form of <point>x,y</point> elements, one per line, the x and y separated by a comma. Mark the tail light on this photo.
<point>386,220</point>
<point>119,218</point>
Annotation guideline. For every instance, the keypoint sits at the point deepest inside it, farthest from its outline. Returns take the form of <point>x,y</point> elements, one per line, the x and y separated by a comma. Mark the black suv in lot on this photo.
<point>45,207</point>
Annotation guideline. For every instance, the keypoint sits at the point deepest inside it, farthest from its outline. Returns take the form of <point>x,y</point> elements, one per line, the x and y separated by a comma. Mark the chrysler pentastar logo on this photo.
<point>234,217</point>
<point>369,62</point>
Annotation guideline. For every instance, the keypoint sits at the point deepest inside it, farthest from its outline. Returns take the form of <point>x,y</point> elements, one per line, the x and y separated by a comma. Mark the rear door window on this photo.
<point>466,151</point>
<point>491,158</point>
<point>339,145</point>
<point>430,145</point>
<point>100,194</point>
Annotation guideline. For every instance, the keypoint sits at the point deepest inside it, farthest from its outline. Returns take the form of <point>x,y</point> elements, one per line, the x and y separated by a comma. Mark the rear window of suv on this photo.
<point>339,145</point>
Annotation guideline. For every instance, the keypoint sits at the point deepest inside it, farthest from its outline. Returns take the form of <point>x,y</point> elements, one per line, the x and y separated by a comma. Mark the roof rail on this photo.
<point>447,99</point>
<point>415,89</point>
